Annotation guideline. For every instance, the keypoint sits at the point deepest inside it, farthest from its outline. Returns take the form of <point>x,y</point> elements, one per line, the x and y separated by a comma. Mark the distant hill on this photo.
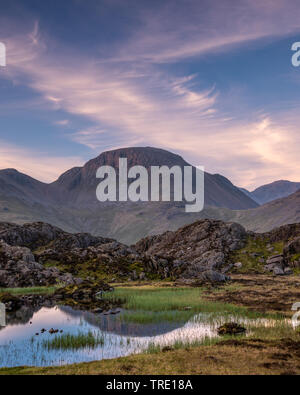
<point>271,215</point>
<point>275,190</point>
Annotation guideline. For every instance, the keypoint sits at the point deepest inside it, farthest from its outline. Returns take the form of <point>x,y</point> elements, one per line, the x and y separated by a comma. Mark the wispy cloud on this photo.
<point>130,98</point>
<point>36,164</point>
<point>177,31</point>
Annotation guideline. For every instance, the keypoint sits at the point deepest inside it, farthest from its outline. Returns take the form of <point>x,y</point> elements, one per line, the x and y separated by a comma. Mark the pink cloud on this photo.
<point>137,103</point>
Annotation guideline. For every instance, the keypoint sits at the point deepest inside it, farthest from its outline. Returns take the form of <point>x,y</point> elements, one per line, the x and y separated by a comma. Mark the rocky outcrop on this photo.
<point>196,251</point>
<point>18,268</point>
<point>292,252</point>
<point>284,233</point>
<point>200,247</point>
<point>40,254</point>
<point>37,234</point>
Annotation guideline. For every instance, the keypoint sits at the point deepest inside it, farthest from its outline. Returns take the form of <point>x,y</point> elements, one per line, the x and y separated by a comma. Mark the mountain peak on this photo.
<point>275,190</point>
<point>143,156</point>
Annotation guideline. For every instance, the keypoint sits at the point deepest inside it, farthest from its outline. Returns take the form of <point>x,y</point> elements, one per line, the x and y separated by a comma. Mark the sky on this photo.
<point>210,80</point>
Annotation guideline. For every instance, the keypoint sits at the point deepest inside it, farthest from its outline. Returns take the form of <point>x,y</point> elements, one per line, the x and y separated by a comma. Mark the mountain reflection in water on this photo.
<point>19,344</point>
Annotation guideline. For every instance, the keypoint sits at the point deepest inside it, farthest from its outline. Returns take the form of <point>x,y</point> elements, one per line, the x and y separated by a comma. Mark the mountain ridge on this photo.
<point>272,191</point>
<point>77,186</point>
<point>70,203</point>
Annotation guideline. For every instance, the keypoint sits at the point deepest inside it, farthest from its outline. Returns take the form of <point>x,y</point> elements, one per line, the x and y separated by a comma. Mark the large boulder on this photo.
<point>203,245</point>
<point>18,268</point>
<point>213,277</point>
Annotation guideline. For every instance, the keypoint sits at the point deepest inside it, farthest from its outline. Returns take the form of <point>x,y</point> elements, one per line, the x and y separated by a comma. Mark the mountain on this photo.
<point>271,215</point>
<point>275,190</point>
<point>249,194</point>
<point>77,186</point>
<point>18,185</point>
<point>70,202</point>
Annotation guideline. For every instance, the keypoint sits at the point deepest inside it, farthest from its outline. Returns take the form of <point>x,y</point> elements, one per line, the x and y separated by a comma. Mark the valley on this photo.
<point>144,308</point>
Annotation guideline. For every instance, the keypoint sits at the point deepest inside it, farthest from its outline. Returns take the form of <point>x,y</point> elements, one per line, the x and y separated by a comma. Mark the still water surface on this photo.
<point>19,344</point>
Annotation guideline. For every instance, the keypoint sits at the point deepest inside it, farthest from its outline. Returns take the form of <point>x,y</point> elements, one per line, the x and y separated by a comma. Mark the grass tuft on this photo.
<point>74,342</point>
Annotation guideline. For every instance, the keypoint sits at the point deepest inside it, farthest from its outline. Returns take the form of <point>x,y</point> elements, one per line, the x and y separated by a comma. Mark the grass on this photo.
<point>266,349</point>
<point>149,317</point>
<point>30,290</point>
<point>74,342</point>
<point>264,293</point>
<point>227,357</point>
<point>179,344</point>
<point>252,264</point>
<point>151,304</point>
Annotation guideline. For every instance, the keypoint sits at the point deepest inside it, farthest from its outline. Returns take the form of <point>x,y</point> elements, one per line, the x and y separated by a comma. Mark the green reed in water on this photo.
<point>74,342</point>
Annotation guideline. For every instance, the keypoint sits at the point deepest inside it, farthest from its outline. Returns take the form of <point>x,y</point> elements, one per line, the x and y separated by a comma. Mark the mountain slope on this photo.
<point>78,185</point>
<point>70,202</point>
<point>19,185</point>
<point>275,190</point>
<point>271,215</point>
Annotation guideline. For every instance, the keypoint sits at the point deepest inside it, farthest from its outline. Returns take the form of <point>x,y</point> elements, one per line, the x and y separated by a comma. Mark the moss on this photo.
<point>137,266</point>
<point>253,263</point>
<point>51,263</point>
<point>29,291</point>
<point>295,257</point>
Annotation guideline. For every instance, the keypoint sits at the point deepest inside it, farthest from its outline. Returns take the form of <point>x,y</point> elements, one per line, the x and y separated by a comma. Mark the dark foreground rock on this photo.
<point>197,250</point>
<point>86,295</point>
<point>41,254</point>
<point>18,268</point>
<point>231,328</point>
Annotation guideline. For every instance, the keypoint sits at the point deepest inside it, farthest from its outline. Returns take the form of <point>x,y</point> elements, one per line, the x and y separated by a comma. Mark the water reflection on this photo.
<point>19,344</point>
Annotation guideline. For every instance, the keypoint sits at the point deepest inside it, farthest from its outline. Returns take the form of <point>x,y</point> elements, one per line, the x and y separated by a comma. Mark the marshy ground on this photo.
<point>261,293</point>
<point>271,349</point>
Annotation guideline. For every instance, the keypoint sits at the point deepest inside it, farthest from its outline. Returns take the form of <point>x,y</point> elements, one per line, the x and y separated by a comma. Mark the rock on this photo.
<point>18,268</point>
<point>213,277</point>
<point>269,268</point>
<point>142,276</point>
<point>238,265</point>
<point>255,254</point>
<point>203,245</point>
<point>292,247</point>
<point>275,259</point>
<point>288,271</point>
<point>278,271</point>
<point>231,328</point>
<point>166,349</point>
<point>97,311</point>
<point>227,269</point>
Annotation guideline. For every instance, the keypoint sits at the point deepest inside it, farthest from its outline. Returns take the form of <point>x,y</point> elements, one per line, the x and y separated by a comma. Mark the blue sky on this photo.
<point>210,80</point>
